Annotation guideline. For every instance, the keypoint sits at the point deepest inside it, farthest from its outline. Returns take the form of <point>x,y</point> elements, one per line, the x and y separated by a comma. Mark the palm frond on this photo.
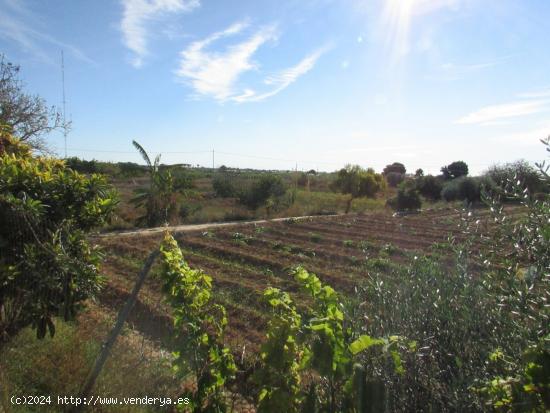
<point>143,154</point>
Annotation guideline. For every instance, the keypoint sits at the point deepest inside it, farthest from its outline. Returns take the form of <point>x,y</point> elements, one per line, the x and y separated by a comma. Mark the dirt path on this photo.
<point>203,227</point>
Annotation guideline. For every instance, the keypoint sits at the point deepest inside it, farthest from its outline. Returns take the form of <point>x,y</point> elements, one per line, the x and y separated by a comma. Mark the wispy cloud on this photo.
<point>136,16</point>
<point>544,93</point>
<point>530,137</point>
<point>504,111</point>
<point>283,79</point>
<point>215,74</point>
<point>19,25</point>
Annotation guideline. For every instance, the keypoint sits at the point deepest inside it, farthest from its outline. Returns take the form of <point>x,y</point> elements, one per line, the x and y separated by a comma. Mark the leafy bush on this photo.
<point>460,189</point>
<point>359,182</point>
<point>407,199</point>
<point>223,186</point>
<point>266,188</point>
<point>429,187</point>
<point>320,342</point>
<point>47,267</point>
<point>528,177</point>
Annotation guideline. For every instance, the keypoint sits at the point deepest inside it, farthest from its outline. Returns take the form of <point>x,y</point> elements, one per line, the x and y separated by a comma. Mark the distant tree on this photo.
<point>27,115</point>
<point>312,172</point>
<point>455,170</point>
<point>396,167</point>
<point>394,178</point>
<point>358,182</point>
<point>419,172</point>
<point>130,169</point>
<point>82,165</point>
<point>302,180</point>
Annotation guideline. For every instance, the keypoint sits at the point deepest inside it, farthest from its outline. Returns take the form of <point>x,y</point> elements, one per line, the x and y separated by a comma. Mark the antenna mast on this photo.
<point>64,102</point>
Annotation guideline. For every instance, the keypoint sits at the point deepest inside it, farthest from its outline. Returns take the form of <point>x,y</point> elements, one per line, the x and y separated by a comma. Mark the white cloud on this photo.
<point>545,93</point>
<point>283,79</point>
<point>527,137</point>
<point>504,111</point>
<point>138,13</point>
<point>215,74</point>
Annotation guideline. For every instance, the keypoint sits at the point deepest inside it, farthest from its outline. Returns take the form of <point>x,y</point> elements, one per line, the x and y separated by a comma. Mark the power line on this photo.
<point>133,152</point>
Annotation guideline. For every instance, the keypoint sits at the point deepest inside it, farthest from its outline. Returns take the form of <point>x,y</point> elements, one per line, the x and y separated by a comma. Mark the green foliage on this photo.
<point>520,171</point>
<point>429,187</point>
<point>82,165</point>
<point>408,199</point>
<point>47,267</point>
<point>455,170</point>
<point>199,325</point>
<point>160,199</point>
<point>268,190</point>
<point>318,343</point>
<point>462,189</point>
<point>280,355</point>
<point>499,301</point>
<point>394,178</point>
<point>358,182</point>
<point>521,280</point>
<point>527,387</point>
<point>348,243</point>
<point>223,186</point>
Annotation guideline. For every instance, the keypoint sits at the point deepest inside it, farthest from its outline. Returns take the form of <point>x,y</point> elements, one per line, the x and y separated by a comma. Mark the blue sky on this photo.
<point>270,84</point>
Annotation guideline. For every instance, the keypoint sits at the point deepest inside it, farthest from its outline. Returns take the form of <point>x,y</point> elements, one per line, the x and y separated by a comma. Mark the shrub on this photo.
<point>429,187</point>
<point>223,186</point>
<point>460,189</point>
<point>130,169</point>
<point>82,165</point>
<point>258,194</point>
<point>47,267</point>
<point>528,177</point>
<point>408,199</point>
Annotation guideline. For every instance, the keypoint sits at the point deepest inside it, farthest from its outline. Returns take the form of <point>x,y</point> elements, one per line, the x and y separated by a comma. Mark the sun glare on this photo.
<point>397,19</point>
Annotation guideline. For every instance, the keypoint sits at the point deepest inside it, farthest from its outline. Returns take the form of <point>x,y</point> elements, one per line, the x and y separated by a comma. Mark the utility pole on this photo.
<point>64,102</point>
<point>212,159</point>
